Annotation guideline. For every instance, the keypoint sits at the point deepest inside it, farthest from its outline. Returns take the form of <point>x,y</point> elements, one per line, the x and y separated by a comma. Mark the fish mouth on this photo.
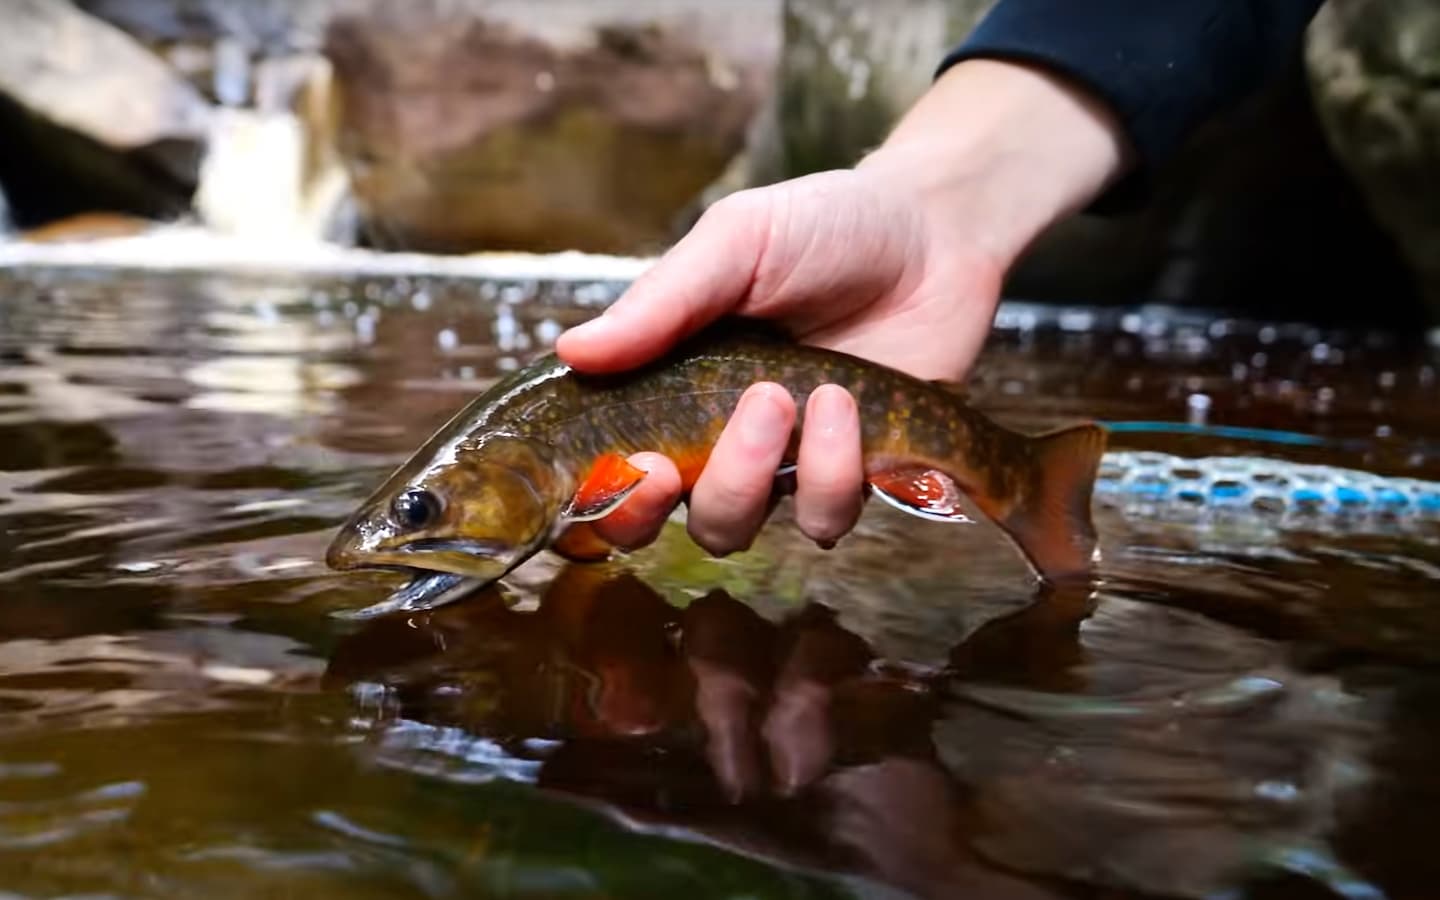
<point>426,591</point>
<point>443,571</point>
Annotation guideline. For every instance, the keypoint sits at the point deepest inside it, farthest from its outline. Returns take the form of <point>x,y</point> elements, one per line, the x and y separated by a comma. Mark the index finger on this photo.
<point>706,274</point>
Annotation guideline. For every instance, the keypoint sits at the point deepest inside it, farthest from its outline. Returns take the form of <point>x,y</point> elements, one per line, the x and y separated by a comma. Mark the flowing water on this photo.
<point>1248,705</point>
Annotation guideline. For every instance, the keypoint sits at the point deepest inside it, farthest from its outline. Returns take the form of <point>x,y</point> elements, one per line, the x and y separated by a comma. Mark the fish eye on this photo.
<point>415,508</point>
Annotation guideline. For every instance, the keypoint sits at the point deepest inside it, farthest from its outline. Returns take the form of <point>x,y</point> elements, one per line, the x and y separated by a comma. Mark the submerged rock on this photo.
<point>594,127</point>
<point>91,118</point>
<point>1375,70</point>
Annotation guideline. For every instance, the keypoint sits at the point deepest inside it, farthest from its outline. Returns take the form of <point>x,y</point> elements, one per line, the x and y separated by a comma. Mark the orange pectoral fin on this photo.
<point>579,543</point>
<point>920,491</point>
<point>609,482</point>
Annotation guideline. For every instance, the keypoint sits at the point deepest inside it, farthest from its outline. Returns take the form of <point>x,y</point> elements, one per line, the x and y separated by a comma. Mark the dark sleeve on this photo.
<point>1163,66</point>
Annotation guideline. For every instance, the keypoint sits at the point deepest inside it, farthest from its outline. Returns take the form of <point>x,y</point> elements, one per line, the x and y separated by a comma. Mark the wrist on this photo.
<point>996,152</point>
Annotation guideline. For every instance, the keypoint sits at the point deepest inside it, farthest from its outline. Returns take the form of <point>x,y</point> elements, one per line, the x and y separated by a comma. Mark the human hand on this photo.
<point>899,260</point>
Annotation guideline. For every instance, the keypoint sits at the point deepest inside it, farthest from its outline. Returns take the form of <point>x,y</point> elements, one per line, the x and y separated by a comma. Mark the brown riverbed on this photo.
<point>1246,707</point>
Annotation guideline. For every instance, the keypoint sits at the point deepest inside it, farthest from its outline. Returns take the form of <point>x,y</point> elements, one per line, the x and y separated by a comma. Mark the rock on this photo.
<point>86,227</point>
<point>1375,72</point>
<point>267,27</point>
<point>852,67</point>
<point>92,120</point>
<point>592,126</point>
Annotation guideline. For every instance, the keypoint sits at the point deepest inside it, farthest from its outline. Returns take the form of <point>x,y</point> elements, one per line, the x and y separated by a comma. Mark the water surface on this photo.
<point>1245,707</point>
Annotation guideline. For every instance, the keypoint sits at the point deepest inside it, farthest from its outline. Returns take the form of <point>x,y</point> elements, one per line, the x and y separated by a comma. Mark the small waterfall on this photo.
<point>270,172</point>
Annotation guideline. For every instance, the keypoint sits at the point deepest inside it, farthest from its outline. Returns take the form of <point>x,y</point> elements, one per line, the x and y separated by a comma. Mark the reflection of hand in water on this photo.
<point>799,731</point>
<point>762,689</point>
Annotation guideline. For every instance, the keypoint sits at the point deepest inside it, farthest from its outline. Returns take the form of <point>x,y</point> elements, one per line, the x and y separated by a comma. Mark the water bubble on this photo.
<point>447,339</point>
<point>1324,399</point>
<point>1268,334</point>
<point>350,309</point>
<point>1281,791</point>
<point>1239,371</point>
<point>1320,352</point>
<point>1259,360</point>
<point>544,81</point>
<point>139,567</point>
<point>1077,320</point>
<point>420,300</point>
<point>547,331</point>
<point>365,328</point>
<point>507,363</point>
<point>1131,322</point>
<point>595,294</point>
<point>1382,431</point>
<point>1197,406</point>
<point>1386,380</point>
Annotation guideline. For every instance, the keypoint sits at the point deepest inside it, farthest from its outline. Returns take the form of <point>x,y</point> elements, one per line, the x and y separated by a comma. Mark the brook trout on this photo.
<point>526,465</point>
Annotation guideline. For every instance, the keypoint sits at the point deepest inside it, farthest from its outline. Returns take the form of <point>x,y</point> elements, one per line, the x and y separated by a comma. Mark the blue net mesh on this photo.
<point>1158,483</point>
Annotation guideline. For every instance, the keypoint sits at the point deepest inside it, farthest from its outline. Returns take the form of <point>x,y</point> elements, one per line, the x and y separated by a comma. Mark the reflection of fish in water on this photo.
<point>526,465</point>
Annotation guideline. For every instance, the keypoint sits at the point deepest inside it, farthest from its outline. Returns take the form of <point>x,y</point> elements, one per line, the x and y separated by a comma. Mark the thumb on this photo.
<point>705,275</point>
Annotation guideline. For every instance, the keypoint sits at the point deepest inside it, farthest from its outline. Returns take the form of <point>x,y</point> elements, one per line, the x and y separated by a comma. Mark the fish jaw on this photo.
<point>439,575</point>
<point>426,591</point>
<point>471,559</point>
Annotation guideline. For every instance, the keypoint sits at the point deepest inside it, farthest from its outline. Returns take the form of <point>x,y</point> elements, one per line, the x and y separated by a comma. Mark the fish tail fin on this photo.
<point>1051,521</point>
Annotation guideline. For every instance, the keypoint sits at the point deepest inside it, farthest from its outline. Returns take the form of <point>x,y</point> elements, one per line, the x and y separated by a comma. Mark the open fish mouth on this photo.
<point>427,590</point>
<point>442,572</point>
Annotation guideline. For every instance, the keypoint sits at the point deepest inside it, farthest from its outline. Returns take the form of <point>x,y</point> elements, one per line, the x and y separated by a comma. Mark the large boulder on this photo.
<point>1375,70</point>
<point>852,67</point>
<point>91,119</point>
<point>558,125</point>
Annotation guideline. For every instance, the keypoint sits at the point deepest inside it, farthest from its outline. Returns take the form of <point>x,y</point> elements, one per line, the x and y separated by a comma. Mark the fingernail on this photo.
<point>763,421</point>
<point>830,409</point>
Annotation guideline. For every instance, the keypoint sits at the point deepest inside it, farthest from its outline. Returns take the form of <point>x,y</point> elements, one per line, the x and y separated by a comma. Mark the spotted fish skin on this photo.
<point>915,434</point>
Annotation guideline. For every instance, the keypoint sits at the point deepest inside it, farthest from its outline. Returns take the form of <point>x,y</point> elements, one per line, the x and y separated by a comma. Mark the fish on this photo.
<point>531,463</point>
